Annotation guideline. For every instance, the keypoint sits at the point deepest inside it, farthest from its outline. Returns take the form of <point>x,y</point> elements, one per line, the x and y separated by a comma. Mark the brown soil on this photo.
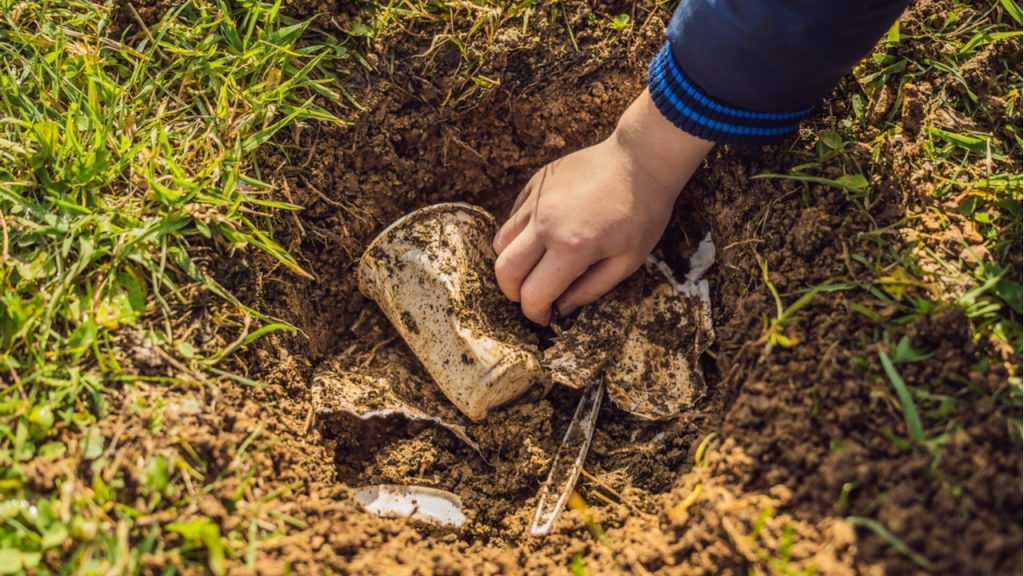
<point>799,442</point>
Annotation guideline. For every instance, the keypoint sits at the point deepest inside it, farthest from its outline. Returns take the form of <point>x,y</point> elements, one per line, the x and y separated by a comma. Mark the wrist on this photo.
<point>656,146</point>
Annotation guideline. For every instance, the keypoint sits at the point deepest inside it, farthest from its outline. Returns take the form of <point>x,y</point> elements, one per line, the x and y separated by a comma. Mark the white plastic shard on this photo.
<point>581,353</point>
<point>341,387</point>
<point>701,261</point>
<point>428,505</point>
<point>658,372</point>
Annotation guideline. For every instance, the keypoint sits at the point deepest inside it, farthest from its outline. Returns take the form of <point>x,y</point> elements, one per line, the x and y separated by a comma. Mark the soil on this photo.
<point>798,442</point>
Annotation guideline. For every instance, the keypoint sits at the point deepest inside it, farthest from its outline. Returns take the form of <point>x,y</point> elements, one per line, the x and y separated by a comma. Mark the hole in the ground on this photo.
<point>630,461</point>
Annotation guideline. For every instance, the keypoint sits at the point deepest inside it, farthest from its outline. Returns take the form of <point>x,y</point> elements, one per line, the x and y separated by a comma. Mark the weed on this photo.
<point>778,560</point>
<point>577,567</point>
<point>910,416</point>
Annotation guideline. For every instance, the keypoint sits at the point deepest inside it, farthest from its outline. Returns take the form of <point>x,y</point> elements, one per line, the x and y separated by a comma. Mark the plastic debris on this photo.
<point>341,388</point>
<point>419,503</point>
<point>645,338</point>
<point>566,466</point>
<point>430,273</point>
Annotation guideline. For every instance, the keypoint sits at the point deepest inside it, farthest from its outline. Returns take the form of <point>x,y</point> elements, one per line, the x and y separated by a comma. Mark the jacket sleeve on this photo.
<point>747,71</point>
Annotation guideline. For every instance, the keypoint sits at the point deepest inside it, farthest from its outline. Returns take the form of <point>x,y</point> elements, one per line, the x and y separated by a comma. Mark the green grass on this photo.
<point>126,165</point>
<point>975,168</point>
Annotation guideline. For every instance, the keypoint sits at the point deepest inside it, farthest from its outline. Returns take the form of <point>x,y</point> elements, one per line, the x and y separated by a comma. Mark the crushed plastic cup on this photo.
<point>645,338</point>
<point>431,274</point>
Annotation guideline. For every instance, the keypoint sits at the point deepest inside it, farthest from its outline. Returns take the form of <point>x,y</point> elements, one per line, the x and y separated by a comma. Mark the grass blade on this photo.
<point>891,539</point>
<point>906,398</point>
<point>1014,10</point>
<point>848,182</point>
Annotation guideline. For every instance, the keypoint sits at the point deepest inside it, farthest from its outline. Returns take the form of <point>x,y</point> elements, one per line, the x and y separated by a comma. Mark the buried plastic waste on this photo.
<point>419,503</point>
<point>342,387</point>
<point>430,272</point>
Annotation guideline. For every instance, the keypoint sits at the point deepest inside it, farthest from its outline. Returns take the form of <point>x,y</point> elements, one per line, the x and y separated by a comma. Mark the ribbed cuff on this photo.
<point>696,113</point>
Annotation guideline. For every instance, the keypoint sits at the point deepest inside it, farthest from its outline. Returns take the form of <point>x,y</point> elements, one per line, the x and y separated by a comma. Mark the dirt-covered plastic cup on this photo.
<point>430,272</point>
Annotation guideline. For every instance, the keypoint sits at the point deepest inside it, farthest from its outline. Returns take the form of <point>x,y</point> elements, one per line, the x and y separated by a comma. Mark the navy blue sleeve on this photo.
<point>747,71</point>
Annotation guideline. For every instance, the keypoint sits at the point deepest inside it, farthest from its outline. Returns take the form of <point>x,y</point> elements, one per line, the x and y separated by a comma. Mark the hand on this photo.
<point>588,220</point>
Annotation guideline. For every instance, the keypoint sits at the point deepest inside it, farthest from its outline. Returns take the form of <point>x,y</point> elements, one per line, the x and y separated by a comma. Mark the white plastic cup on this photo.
<point>431,274</point>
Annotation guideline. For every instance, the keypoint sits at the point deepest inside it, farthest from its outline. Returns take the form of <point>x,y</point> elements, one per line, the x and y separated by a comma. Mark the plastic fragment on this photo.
<point>419,503</point>
<point>342,388</point>
<point>568,461</point>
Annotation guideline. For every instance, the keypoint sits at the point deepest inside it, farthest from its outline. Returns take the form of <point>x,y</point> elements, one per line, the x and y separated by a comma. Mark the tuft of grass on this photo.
<point>778,558</point>
<point>126,170</point>
<point>577,567</point>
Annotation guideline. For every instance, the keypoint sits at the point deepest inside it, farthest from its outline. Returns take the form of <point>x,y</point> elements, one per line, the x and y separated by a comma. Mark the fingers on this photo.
<point>516,260</point>
<point>555,272</point>
<point>596,282</point>
<point>517,219</point>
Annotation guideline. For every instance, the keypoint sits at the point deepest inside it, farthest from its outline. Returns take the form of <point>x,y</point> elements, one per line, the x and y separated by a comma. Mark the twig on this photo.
<point>174,362</point>
<point>295,217</point>
<point>622,499</point>
<point>246,321</point>
<point>310,417</point>
<point>741,242</point>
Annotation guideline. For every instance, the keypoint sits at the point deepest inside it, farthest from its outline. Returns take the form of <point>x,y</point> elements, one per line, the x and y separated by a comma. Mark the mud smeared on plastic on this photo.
<point>430,274</point>
<point>343,390</point>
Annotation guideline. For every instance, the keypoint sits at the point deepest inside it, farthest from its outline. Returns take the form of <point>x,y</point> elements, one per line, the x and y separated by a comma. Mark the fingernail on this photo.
<point>567,309</point>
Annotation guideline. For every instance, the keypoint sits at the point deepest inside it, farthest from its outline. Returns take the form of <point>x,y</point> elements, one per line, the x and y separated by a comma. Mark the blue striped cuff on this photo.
<point>679,99</point>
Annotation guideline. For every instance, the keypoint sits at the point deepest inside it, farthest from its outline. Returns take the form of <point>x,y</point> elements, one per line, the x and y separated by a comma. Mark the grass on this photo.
<point>913,421</point>
<point>126,170</point>
<point>977,169</point>
<point>775,557</point>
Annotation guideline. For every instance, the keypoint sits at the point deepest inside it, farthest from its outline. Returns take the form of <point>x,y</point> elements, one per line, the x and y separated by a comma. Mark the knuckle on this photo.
<point>528,297</point>
<point>502,269</point>
<point>570,243</point>
<point>586,297</point>
<point>498,242</point>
